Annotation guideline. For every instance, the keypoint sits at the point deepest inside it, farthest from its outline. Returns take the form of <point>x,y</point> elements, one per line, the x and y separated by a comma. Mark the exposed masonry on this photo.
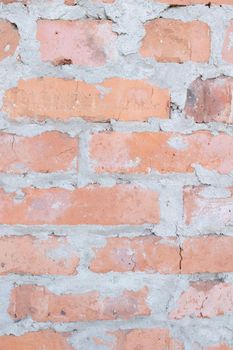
<point>128,18</point>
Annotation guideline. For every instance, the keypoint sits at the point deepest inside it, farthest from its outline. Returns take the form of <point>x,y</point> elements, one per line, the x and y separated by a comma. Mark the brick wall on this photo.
<point>116,175</point>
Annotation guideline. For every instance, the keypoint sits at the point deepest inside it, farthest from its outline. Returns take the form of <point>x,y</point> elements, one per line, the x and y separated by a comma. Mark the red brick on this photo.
<point>46,340</point>
<point>60,99</point>
<point>58,42</point>
<point>146,339</point>
<point>210,100</point>
<point>143,152</point>
<point>29,255</point>
<point>198,207</point>
<point>150,254</point>
<point>208,254</point>
<point>43,306</point>
<point>48,152</point>
<point>169,40</point>
<point>205,300</point>
<point>9,39</point>
<point>88,205</point>
<point>227,50</point>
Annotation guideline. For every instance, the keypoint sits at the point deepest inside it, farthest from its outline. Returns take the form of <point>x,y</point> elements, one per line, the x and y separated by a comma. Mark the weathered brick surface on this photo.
<point>42,305</point>
<point>116,164</point>
<point>208,254</point>
<point>28,255</point>
<point>146,339</point>
<point>204,300</point>
<point>9,39</point>
<point>58,40</point>
<point>45,153</point>
<point>210,100</point>
<point>89,205</point>
<point>176,41</point>
<point>162,152</point>
<point>137,254</point>
<point>198,205</point>
<point>49,339</point>
<point>63,99</point>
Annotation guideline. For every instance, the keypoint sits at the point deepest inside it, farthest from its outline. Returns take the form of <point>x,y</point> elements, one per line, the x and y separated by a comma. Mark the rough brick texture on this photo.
<point>138,254</point>
<point>204,299</point>
<point>58,40</point>
<point>42,305</point>
<point>146,339</point>
<point>28,255</point>
<point>45,153</point>
<point>9,39</point>
<point>116,175</point>
<point>162,152</point>
<point>88,205</point>
<point>210,100</point>
<point>49,339</point>
<point>176,41</point>
<point>61,99</point>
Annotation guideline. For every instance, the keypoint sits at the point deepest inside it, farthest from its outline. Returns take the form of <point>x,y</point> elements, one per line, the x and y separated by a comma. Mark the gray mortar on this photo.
<point>128,18</point>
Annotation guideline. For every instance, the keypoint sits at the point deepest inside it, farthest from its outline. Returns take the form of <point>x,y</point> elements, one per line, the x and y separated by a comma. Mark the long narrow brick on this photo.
<point>143,152</point>
<point>63,99</point>
<point>46,340</point>
<point>89,205</point>
<point>43,306</point>
<point>150,254</point>
<point>146,339</point>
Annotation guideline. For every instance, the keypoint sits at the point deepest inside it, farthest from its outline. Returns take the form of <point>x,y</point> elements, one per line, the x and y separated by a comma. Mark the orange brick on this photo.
<point>58,41</point>
<point>9,39</point>
<point>150,254</point>
<point>198,207</point>
<point>43,306</point>
<point>48,152</point>
<point>146,339</point>
<point>88,205</point>
<point>116,152</point>
<point>205,300</point>
<point>29,255</point>
<point>210,254</point>
<point>219,347</point>
<point>169,40</point>
<point>60,99</point>
<point>48,340</point>
<point>70,2</point>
